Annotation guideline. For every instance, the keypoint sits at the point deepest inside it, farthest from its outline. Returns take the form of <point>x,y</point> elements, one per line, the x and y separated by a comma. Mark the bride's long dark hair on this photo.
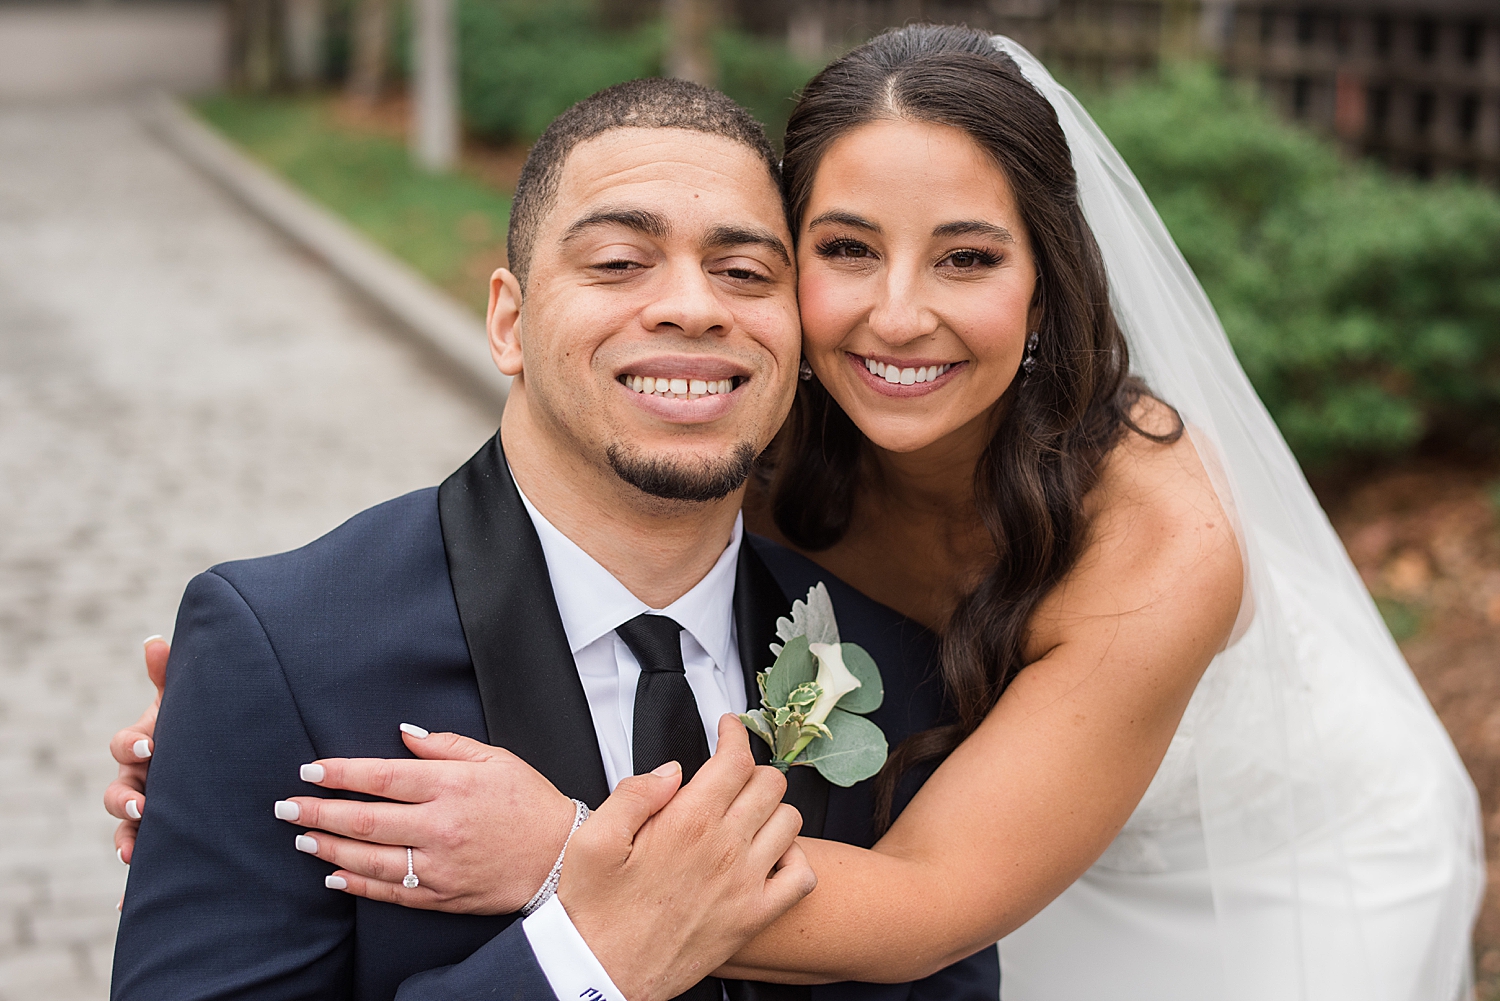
<point>1050,438</point>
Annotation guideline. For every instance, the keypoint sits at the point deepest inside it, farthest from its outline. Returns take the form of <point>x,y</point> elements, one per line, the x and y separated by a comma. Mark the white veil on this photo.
<point>1336,818</point>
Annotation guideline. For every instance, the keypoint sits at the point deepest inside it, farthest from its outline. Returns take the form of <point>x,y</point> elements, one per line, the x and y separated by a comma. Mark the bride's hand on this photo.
<point>125,798</point>
<point>484,826</point>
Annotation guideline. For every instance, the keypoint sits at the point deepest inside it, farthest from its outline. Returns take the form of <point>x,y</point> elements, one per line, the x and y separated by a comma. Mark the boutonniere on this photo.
<point>815,697</point>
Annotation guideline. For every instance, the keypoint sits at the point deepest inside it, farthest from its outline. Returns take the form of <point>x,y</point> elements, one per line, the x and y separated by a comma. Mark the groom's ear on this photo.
<point>504,322</point>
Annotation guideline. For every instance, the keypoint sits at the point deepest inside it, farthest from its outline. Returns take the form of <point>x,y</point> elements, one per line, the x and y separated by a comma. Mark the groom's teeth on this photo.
<point>677,389</point>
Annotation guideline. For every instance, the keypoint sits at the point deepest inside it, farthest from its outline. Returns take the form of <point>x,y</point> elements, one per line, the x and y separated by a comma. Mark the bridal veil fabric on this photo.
<point>1312,833</point>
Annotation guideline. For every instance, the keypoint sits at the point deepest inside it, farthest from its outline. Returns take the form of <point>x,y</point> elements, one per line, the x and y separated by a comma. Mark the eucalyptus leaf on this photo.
<point>855,751</point>
<point>871,691</point>
<point>794,667</point>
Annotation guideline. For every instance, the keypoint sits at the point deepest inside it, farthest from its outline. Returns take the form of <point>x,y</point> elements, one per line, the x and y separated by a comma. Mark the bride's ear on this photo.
<point>503,322</point>
<point>1035,312</point>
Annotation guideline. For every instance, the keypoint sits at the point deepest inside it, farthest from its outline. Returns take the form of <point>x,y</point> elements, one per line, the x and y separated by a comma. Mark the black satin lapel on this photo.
<point>534,704</point>
<point>758,602</point>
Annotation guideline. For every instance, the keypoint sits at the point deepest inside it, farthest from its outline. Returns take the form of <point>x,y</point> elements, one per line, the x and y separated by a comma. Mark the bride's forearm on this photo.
<point>874,917</point>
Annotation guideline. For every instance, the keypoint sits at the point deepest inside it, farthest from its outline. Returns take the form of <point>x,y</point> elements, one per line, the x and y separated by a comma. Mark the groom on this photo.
<point>653,359</point>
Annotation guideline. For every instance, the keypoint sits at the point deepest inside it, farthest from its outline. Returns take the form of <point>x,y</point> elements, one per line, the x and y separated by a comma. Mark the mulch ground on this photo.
<point>1426,539</point>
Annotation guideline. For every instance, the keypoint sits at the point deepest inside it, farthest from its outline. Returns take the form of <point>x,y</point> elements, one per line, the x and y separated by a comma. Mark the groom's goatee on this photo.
<point>683,481</point>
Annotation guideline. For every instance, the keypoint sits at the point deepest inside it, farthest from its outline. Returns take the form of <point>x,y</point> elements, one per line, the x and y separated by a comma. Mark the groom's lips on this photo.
<point>683,389</point>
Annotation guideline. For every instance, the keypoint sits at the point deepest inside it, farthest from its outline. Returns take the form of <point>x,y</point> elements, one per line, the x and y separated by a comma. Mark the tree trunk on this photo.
<point>434,132</point>
<point>371,37</point>
<point>690,53</point>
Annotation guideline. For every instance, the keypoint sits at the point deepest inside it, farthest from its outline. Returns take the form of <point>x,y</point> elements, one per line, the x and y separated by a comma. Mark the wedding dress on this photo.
<point>1311,834</point>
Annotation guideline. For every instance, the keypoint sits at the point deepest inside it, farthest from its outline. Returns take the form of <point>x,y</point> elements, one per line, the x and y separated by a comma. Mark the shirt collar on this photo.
<point>593,603</point>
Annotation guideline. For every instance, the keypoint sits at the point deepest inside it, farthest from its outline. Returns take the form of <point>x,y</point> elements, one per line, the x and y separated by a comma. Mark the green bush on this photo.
<point>1364,307</point>
<point>523,63</point>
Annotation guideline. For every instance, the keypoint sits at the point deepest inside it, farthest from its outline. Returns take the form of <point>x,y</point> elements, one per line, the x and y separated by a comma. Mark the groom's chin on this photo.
<point>688,479</point>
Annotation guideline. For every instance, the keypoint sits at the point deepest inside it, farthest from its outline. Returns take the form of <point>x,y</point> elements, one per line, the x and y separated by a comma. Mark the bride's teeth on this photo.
<point>892,374</point>
<point>908,376</point>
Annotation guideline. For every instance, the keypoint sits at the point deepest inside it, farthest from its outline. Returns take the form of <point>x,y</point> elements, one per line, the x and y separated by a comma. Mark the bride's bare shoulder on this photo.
<point>1160,543</point>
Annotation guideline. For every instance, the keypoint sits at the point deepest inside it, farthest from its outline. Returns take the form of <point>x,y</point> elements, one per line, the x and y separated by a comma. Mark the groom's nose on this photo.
<point>687,303</point>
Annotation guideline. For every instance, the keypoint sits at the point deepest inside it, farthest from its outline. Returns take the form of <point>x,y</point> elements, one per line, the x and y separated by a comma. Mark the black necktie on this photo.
<point>667,726</point>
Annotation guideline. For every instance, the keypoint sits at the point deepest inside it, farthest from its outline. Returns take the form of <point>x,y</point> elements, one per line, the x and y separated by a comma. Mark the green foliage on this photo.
<point>854,750</point>
<point>1403,620</point>
<point>871,691</point>
<point>794,666</point>
<point>1365,308</point>
<point>763,76</point>
<point>436,223</point>
<point>523,63</point>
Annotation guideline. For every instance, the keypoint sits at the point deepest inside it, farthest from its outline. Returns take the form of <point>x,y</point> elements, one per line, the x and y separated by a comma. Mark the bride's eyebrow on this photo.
<point>974,228</point>
<point>838,217</point>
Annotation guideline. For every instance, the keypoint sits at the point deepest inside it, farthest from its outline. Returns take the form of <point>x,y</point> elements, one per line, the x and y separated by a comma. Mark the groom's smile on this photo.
<point>658,327</point>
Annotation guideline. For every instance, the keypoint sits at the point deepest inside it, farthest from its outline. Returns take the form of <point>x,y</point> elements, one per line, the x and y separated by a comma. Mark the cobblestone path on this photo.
<point>178,386</point>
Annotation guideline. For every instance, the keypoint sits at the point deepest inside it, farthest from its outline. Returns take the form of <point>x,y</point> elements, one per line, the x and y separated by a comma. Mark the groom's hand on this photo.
<point>664,895</point>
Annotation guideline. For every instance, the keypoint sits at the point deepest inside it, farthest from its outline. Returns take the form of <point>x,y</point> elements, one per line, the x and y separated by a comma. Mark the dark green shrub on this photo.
<point>763,76</point>
<point>1365,308</point>
<point>524,62</point>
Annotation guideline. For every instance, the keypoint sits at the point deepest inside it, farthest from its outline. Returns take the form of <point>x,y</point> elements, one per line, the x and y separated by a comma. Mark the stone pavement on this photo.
<point>178,386</point>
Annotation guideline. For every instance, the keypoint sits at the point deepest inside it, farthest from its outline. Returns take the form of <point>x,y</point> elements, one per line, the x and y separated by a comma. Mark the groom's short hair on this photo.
<point>652,103</point>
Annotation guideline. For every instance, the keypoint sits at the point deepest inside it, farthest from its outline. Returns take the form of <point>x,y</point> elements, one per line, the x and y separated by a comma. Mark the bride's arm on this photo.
<point>1039,790</point>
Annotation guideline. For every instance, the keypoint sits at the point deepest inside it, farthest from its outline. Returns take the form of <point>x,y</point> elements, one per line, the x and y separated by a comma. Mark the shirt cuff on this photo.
<point>572,969</point>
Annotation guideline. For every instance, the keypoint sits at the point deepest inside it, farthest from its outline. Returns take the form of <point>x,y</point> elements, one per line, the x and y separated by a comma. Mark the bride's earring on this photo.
<point>804,371</point>
<point>1028,362</point>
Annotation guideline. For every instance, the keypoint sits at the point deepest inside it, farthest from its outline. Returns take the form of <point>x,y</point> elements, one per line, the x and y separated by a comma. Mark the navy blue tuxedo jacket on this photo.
<point>434,608</point>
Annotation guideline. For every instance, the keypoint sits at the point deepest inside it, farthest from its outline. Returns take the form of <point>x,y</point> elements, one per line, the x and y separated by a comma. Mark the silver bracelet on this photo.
<point>549,885</point>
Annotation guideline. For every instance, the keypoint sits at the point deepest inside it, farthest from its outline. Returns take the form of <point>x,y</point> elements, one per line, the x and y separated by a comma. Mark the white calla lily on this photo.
<point>834,678</point>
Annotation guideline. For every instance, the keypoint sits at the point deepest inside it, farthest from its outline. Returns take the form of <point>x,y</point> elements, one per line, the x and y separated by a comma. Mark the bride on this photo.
<point>1186,759</point>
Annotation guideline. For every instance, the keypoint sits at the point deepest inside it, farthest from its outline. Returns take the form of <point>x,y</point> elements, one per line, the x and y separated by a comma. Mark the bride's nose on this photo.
<point>898,316</point>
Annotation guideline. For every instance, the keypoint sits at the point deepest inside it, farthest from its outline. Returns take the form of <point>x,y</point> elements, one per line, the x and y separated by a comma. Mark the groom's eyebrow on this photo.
<point>640,220</point>
<point>724,237</point>
<point>973,227</point>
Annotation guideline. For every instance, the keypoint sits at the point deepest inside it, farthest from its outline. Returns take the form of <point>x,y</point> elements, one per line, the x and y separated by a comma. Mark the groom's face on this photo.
<point>659,332</point>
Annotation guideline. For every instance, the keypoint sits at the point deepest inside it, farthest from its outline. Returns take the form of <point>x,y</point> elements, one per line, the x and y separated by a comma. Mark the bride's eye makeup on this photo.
<point>969,260</point>
<point>842,247</point>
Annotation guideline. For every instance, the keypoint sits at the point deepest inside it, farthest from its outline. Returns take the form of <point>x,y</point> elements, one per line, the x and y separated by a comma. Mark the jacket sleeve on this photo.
<point>218,903</point>
<point>504,968</point>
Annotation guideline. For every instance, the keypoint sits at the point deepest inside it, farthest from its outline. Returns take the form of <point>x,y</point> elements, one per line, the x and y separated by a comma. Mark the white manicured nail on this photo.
<point>414,730</point>
<point>152,639</point>
<point>142,748</point>
<point>120,854</point>
<point>311,773</point>
<point>307,844</point>
<point>287,810</point>
<point>132,810</point>
<point>336,882</point>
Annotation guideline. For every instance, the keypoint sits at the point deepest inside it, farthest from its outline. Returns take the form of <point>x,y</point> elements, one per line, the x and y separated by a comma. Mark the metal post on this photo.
<point>305,38</point>
<point>434,133</point>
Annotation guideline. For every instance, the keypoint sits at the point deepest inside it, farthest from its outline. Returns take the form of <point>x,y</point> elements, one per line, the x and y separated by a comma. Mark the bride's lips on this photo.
<point>883,386</point>
<point>683,389</point>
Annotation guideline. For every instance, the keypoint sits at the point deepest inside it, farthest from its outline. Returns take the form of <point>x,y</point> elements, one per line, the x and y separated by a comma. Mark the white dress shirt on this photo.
<point>593,603</point>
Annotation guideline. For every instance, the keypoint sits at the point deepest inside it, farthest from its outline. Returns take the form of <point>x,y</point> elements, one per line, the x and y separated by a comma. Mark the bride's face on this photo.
<point>916,281</point>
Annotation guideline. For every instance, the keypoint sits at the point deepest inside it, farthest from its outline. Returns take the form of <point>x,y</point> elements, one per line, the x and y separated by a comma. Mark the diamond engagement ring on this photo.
<point>411,881</point>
